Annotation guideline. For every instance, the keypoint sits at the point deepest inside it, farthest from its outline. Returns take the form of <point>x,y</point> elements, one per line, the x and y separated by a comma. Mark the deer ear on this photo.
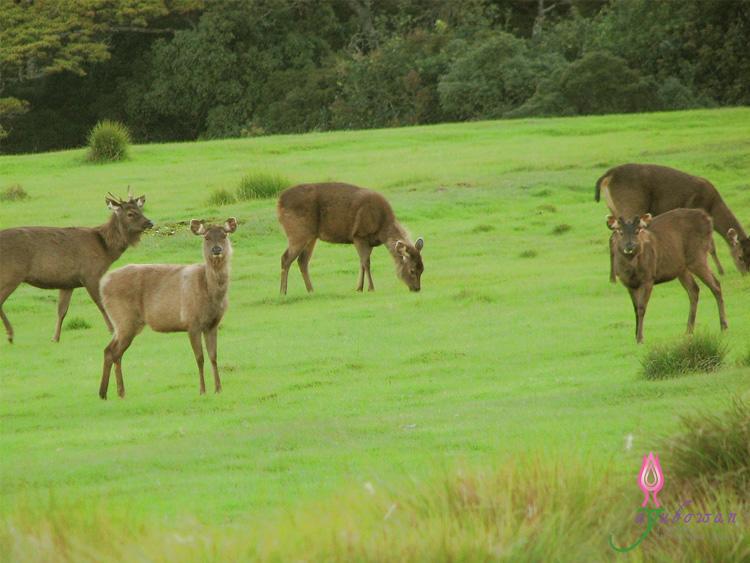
<point>197,226</point>
<point>140,202</point>
<point>645,220</point>
<point>112,204</point>
<point>400,247</point>
<point>230,225</point>
<point>419,245</point>
<point>612,223</point>
<point>734,238</point>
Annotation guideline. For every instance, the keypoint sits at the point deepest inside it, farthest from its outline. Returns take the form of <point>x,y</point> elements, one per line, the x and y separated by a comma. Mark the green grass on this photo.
<point>700,353</point>
<point>108,141</point>
<point>14,192</point>
<point>499,357</point>
<point>261,185</point>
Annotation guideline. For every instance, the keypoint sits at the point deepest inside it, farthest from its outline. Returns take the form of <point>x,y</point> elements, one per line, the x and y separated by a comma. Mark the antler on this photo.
<point>113,197</point>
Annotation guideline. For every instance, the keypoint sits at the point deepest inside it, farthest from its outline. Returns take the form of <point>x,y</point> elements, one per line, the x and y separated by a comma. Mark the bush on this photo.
<point>691,354</point>
<point>108,141</point>
<point>261,185</point>
<point>220,197</point>
<point>77,323</point>
<point>14,192</point>
<point>713,449</point>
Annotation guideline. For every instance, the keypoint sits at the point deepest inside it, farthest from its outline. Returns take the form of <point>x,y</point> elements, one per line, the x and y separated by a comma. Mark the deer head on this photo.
<point>409,264</point>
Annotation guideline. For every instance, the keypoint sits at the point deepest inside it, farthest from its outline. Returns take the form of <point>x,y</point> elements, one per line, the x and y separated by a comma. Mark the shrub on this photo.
<point>108,141</point>
<point>261,185</point>
<point>77,323</point>
<point>713,449</point>
<point>691,354</point>
<point>14,192</point>
<point>220,197</point>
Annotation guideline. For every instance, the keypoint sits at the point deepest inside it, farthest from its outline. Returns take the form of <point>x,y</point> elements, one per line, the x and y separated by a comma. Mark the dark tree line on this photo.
<point>190,69</point>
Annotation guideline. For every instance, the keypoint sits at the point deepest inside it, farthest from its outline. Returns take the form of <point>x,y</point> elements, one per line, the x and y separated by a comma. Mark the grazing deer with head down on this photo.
<point>345,214</point>
<point>635,189</point>
<point>673,245</point>
<point>170,298</point>
<point>70,257</point>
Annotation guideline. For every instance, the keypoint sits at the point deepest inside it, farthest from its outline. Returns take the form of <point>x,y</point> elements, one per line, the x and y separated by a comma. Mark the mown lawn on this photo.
<point>517,345</point>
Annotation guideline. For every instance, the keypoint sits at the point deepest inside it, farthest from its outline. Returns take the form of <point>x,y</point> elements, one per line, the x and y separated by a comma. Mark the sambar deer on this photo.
<point>345,214</point>
<point>68,257</point>
<point>636,189</point>
<point>672,245</point>
<point>170,298</point>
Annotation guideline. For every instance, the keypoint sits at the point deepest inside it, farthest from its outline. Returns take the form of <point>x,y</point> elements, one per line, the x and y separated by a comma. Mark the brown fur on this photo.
<point>345,214</point>
<point>170,298</point>
<point>635,189</point>
<point>67,258</point>
<point>674,245</point>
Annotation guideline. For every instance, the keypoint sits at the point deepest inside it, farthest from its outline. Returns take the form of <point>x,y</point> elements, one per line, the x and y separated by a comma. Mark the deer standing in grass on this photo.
<point>345,214</point>
<point>635,189</point>
<point>652,251</point>
<point>170,298</point>
<point>69,257</point>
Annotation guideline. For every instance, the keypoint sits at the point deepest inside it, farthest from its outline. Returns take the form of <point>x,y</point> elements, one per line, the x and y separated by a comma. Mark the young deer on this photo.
<point>635,189</point>
<point>673,245</point>
<point>170,298</point>
<point>67,258</point>
<point>345,214</point>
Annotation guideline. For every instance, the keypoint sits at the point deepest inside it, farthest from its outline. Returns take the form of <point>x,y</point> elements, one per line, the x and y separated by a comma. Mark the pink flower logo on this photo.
<point>651,478</point>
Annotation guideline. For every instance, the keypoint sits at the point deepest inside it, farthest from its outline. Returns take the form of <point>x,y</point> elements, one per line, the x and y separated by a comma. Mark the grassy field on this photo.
<point>517,348</point>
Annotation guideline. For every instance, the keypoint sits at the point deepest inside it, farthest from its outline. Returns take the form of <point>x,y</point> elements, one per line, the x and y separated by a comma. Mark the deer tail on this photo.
<point>603,181</point>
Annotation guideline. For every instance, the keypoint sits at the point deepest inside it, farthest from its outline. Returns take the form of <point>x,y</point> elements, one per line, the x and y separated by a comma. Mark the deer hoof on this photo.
<point>218,390</point>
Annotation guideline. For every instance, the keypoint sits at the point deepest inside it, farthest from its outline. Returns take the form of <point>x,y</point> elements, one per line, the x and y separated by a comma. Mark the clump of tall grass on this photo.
<point>108,141</point>
<point>220,197</point>
<point>14,192</point>
<point>561,229</point>
<point>261,185</point>
<point>690,354</point>
<point>713,449</point>
<point>77,323</point>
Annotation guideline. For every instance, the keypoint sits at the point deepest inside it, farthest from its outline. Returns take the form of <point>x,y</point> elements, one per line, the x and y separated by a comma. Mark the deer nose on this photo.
<point>149,224</point>
<point>216,250</point>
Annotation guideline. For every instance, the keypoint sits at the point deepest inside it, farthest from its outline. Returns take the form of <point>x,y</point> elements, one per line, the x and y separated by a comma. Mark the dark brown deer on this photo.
<point>170,298</point>
<point>70,257</point>
<point>673,245</point>
<point>345,214</point>
<point>635,189</point>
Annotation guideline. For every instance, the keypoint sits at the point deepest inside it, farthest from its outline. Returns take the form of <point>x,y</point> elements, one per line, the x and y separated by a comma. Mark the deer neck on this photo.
<point>724,220</point>
<point>115,239</point>
<point>217,278</point>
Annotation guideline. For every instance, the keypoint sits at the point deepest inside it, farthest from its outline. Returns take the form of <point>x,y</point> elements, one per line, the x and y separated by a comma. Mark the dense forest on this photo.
<point>196,69</point>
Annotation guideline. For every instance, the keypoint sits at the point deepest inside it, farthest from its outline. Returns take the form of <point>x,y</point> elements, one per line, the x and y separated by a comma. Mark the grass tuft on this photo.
<point>14,192</point>
<point>261,185</point>
<point>561,229</point>
<point>109,141</point>
<point>691,354</point>
<point>713,449</point>
<point>220,197</point>
<point>528,254</point>
<point>77,323</point>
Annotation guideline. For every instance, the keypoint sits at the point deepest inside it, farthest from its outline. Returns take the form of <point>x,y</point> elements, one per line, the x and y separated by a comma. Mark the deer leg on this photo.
<point>640,299</point>
<point>122,345</point>
<point>62,310</point>
<point>195,342</point>
<point>705,274</point>
<point>4,293</point>
<point>364,250</point>
<point>210,336</point>
<point>108,361</point>
<point>303,260</point>
<point>93,291</point>
<point>687,281</point>
<point>715,256</point>
<point>612,275</point>
<point>289,256</point>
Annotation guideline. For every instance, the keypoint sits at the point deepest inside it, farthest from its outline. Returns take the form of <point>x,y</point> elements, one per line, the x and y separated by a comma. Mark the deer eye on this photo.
<point>131,214</point>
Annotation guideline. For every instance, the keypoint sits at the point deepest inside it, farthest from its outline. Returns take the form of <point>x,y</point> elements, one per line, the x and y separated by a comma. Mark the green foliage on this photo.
<point>220,196</point>
<point>77,323</point>
<point>261,185</point>
<point>10,109</point>
<point>713,449</point>
<point>692,354</point>
<point>109,141</point>
<point>14,192</point>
